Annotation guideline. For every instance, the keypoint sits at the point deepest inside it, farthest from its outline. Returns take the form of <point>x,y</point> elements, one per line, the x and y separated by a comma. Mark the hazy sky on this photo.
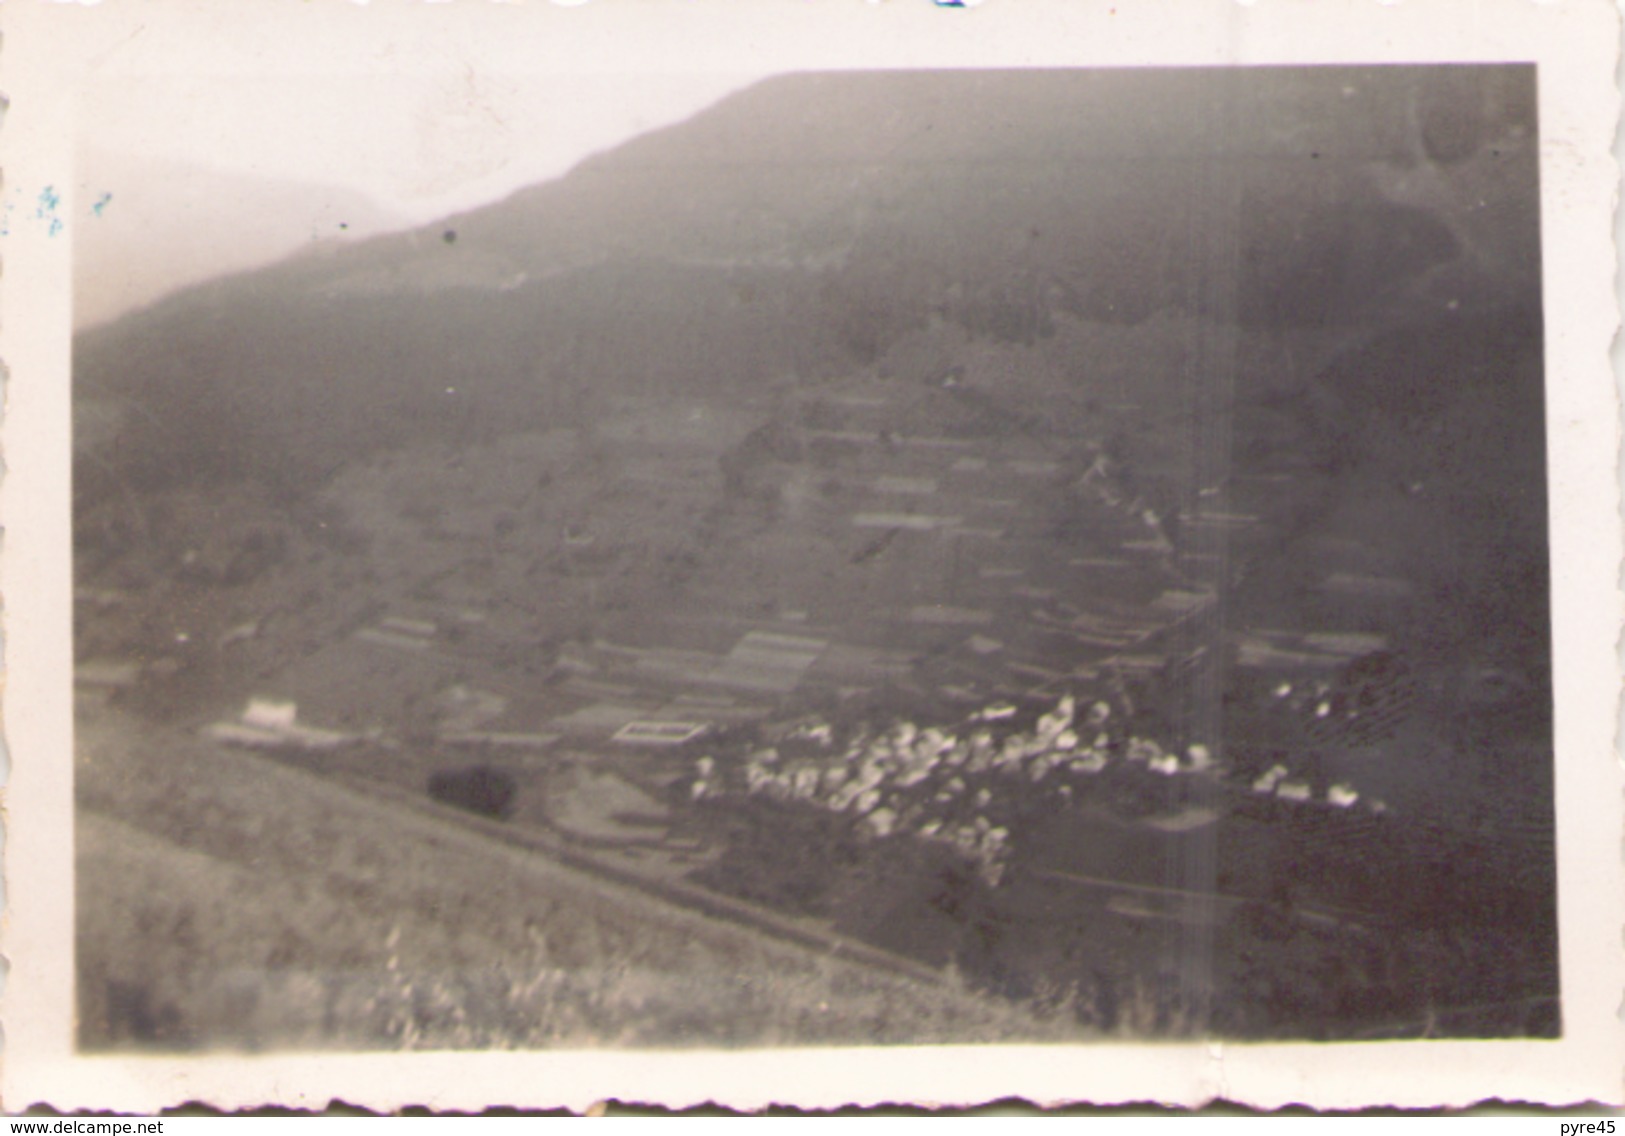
<point>196,176</point>
<point>424,108</point>
<point>229,135</point>
<point>418,146</point>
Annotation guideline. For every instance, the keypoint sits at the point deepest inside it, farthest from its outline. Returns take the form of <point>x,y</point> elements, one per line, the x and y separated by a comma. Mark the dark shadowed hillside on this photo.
<point>796,230</point>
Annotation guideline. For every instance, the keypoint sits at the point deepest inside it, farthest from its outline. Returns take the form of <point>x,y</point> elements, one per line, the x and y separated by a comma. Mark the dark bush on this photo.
<point>479,789</point>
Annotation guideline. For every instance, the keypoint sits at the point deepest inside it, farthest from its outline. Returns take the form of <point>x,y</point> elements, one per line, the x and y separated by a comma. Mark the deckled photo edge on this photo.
<point>48,56</point>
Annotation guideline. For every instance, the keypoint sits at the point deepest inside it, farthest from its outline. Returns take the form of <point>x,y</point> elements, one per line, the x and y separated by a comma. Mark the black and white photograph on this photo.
<point>812,557</point>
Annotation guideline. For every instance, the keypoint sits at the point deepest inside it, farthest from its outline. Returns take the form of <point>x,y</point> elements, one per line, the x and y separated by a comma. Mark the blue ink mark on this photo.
<point>101,203</point>
<point>45,210</point>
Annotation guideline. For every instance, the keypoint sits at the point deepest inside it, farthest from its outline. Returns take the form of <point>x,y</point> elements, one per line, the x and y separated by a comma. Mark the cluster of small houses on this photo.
<point>956,786</point>
<point>940,784</point>
<point>943,784</point>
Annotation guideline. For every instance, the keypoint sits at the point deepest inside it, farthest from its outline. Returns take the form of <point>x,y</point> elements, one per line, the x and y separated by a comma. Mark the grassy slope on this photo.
<point>230,899</point>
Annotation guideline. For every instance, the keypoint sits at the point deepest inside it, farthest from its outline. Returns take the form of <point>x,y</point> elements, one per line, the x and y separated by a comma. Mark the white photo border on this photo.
<point>50,49</point>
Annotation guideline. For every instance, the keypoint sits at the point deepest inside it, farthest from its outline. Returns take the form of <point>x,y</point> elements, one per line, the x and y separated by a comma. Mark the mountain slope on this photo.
<point>797,229</point>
